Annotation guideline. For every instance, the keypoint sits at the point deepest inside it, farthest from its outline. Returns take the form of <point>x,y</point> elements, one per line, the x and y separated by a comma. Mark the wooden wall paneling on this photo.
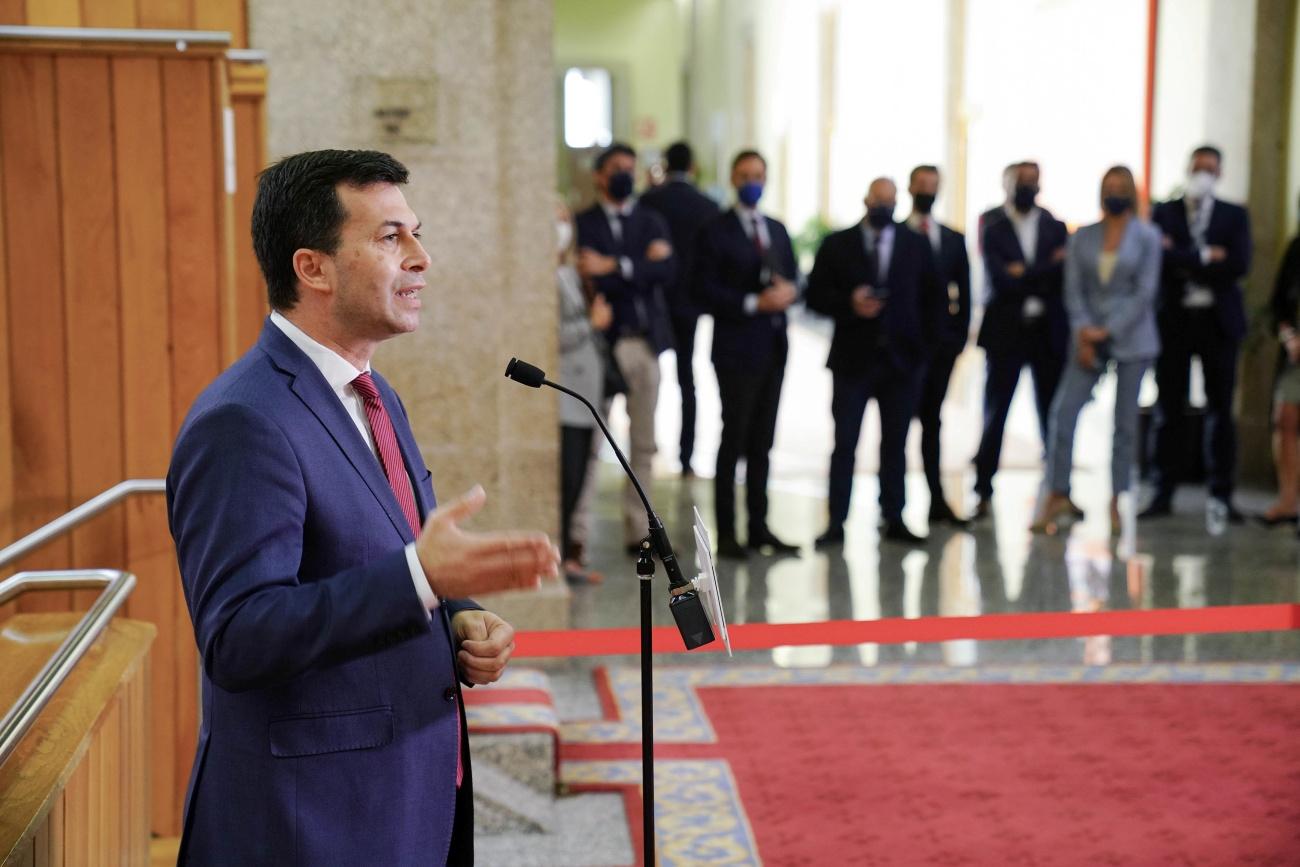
<point>228,15</point>
<point>110,784</point>
<point>166,14</point>
<point>146,387</point>
<point>87,204</point>
<point>36,329</point>
<point>108,13</point>
<point>196,211</point>
<point>53,13</point>
<point>76,816</point>
<point>7,534</point>
<point>248,100</point>
<point>13,12</point>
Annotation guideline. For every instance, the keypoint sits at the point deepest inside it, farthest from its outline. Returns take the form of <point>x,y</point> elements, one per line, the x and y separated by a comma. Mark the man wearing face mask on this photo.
<point>686,210</point>
<point>877,280</point>
<point>624,254</point>
<point>1025,323</point>
<point>746,277</point>
<point>952,268</point>
<point>1207,251</point>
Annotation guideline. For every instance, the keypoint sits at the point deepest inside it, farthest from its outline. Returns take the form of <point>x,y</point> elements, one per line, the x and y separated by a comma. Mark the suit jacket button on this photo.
<point>449,693</point>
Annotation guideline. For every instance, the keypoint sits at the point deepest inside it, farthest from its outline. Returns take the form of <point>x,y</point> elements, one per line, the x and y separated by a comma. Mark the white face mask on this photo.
<point>563,235</point>
<point>1200,184</point>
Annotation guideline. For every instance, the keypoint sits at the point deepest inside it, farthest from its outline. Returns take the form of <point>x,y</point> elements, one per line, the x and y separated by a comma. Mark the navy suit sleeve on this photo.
<point>963,283</point>
<point>237,515</point>
<point>1237,262</point>
<point>825,295</point>
<point>712,288</point>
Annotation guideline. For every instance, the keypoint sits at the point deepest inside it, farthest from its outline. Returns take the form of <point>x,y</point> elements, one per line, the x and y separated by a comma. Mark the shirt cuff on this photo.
<point>751,304</point>
<point>625,265</point>
<point>422,588</point>
<point>1205,255</point>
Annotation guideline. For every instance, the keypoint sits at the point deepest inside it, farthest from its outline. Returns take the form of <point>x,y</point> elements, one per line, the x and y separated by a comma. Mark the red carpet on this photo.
<point>1015,775</point>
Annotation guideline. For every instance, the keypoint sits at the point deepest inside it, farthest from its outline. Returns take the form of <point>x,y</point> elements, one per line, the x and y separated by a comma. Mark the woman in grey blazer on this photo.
<point>1112,275</point>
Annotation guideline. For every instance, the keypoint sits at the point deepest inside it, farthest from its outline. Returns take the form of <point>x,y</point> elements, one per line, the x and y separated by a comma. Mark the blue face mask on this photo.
<point>619,186</point>
<point>749,194</point>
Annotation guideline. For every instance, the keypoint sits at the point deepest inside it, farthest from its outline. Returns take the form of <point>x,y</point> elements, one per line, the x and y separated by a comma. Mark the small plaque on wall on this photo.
<point>397,110</point>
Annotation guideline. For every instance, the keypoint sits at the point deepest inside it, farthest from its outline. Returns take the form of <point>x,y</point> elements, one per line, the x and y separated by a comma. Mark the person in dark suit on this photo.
<point>877,280</point>
<point>1207,250</point>
<point>1024,318</point>
<point>328,594</point>
<point>746,278</point>
<point>686,210</point>
<point>1285,307</point>
<point>998,213</point>
<point>625,253</point>
<point>952,267</point>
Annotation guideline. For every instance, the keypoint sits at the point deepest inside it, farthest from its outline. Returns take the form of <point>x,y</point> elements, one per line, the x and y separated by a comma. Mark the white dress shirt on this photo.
<point>612,214</point>
<point>882,242</point>
<point>927,225</point>
<point>339,373</point>
<point>1197,296</point>
<point>1026,226</point>
<point>752,221</point>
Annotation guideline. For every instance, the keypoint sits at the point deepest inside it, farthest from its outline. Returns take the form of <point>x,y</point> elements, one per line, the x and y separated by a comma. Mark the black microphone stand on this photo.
<point>684,602</point>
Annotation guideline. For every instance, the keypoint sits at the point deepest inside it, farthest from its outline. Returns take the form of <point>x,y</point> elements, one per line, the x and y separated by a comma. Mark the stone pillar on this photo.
<point>1270,199</point>
<point>462,92</point>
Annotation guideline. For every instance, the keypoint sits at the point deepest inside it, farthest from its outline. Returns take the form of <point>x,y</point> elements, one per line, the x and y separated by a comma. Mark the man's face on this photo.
<point>882,193</point>
<point>1027,176</point>
<point>1204,162</point>
<point>750,170</point>
<point>924,183</point>
<point>378,269</point>
<point>616,163</point>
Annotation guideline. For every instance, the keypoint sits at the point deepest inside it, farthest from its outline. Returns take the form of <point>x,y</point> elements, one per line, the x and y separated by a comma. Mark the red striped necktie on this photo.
<point>390,456</point>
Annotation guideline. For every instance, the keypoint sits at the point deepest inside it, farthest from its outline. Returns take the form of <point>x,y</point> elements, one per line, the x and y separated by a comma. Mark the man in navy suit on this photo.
<point>1200,312</point>
<point>877,280</point>
<point>745,277</point>
<point>1024,318</point>
<point>686,210</point>
<point>625,253</point>
<point>328,595</point>
<point>952,268</point>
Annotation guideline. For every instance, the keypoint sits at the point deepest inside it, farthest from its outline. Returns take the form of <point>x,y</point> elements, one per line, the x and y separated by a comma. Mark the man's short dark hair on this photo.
<point>919,169</point>
<point>1209,150</point>
<point>679,157</point>
<point>612,151</point>
<point>298,207</point>
<point>745,155</point>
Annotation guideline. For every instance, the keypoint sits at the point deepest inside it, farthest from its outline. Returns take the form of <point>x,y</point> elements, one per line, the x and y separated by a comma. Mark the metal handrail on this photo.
<point>182,38</point>
<point>77,516</point>
<point>117,586</point>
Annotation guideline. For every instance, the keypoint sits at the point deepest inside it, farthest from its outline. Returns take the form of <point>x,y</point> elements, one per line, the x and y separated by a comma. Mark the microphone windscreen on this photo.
<point>524,373</point>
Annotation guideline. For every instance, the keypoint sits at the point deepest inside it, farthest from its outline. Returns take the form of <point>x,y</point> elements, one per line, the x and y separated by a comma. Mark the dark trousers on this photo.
<point>575,452</point>
<point>933,390</point>
<point>1195,332</point>
<point>1004,366</point>
<point>684,340</point>
<point>749,403</point>
<point>896,393</point>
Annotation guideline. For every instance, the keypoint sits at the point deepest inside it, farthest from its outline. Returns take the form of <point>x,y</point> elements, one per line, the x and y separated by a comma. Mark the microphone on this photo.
<point>684,601</point>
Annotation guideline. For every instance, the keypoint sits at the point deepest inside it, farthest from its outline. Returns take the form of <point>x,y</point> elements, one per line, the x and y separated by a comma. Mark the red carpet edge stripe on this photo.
<point>986,627</point>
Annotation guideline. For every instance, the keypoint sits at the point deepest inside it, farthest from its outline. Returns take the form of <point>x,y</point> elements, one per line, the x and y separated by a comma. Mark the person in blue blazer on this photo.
<point>328,594</point>
<point>877,280</point>
<point>1112,275</point>
<point>745,275</point>
<point>1024,318</point>
<point>686,210</point>
<point>1201,312</point>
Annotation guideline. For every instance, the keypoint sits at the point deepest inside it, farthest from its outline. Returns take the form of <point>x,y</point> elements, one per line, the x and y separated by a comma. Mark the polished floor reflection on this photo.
<point>995,566</point>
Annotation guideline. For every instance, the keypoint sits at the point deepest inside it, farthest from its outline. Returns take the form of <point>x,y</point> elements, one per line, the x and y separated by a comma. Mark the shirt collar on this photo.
<point>612,210</point>
<point>336,369</point>
<point>746,212</point>
<point>1018,217</point>
<point>914,220</point>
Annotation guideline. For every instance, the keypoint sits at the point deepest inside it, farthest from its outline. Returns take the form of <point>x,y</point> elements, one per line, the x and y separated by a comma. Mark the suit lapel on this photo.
<point>310,387</point>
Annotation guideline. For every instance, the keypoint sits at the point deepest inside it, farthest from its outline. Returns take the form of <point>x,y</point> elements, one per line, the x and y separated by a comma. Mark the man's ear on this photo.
<point>314,269</point>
